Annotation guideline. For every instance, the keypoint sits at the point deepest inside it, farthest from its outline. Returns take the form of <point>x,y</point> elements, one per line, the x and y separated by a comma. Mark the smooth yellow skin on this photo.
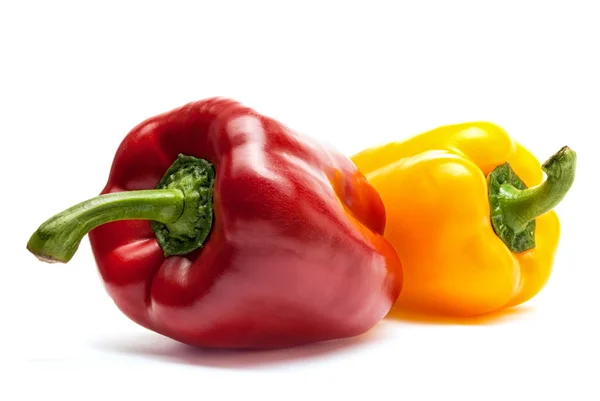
<point>438,219</point>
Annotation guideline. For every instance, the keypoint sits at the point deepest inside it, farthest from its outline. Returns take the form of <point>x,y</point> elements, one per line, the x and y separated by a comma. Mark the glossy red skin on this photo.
<point>295,254</point>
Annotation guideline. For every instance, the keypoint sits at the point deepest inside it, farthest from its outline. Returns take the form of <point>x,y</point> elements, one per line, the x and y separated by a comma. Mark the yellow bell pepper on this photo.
<point>470,215</point>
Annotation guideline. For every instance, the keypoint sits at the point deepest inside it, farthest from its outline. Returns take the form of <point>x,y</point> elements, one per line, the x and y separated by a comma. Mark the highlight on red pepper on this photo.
<point>221,227</point>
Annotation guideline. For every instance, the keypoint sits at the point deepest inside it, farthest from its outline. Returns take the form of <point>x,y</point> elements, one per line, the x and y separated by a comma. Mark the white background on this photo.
<point>75,77</point>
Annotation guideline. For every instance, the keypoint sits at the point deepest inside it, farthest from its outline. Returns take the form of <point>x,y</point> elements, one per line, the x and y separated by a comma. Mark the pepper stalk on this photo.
<point>180,210</point>
<point>514,207</point>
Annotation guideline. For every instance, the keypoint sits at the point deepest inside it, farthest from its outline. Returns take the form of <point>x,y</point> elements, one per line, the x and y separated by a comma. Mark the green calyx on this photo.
<point>195,178</point>
<point>180,210</point>
<point>502,182</point>
<point>514,207</point>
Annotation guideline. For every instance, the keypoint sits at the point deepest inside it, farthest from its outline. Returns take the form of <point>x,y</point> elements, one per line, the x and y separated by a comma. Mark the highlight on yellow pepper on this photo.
<point>469,212</point>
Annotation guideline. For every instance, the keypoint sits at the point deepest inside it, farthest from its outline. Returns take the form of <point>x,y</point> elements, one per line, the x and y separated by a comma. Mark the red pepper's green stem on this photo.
<point>180,211</point>
<point>515,207</point>
<point>58,238</point>
<point>522,206</point>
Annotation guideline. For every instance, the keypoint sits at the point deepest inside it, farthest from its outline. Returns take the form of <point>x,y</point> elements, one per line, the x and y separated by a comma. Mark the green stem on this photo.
<point>180,211</point>
<point>58,238</point>
<point>515,207</point>
<point>522,206</point>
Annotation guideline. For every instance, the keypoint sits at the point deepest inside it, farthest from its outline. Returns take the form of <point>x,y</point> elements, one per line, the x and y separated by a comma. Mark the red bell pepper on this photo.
<point>221,227</point>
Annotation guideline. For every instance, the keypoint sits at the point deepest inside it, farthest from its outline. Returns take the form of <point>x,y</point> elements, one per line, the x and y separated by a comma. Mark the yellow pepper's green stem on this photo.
<point>515,207</point>
<point>522,206</point>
